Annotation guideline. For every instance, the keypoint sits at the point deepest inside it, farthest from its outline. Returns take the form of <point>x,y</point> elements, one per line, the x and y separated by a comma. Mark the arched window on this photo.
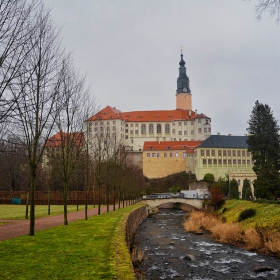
<point>151,128</point>
<point>143,129</point>
<point>158,128</point>
<point>167,128</point>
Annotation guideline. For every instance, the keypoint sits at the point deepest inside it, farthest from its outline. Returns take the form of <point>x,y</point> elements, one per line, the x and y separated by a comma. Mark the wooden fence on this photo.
<point>56,197</point>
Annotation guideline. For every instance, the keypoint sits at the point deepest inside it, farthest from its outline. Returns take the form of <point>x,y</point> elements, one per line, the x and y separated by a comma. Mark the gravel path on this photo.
<point>15,228</point>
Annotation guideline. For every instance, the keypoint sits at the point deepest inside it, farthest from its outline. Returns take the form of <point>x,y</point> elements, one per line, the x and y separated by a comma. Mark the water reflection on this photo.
<point>172,253</point>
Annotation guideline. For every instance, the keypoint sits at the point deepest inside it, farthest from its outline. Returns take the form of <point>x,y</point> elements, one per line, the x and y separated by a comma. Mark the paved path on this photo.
<point>16,228</point>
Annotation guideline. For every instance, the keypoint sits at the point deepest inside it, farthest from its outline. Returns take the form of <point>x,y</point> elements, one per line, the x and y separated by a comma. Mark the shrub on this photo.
<point>245,214</point>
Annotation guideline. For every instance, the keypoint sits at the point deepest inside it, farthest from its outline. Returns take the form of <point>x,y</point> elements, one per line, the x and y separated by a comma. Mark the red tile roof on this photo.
<point>109,113</point>
<point>55,140</point>
<point>188,146</point>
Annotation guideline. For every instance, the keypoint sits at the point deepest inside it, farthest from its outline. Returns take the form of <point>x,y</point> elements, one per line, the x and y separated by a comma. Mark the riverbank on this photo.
<point>260,232</point>
<point>87,249</point>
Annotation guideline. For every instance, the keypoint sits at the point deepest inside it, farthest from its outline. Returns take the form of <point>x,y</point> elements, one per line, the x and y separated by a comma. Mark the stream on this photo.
<point>172,253</point>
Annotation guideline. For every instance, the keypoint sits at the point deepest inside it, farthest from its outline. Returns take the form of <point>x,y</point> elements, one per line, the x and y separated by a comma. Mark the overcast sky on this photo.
<point>130,50</point>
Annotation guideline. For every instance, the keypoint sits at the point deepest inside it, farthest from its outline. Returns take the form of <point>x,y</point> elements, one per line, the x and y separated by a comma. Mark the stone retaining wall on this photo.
<point>133,222</point>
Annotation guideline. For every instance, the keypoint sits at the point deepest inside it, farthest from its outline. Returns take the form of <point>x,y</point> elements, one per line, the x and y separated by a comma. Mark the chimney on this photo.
<point>195,112</point>
<point>229,134</point>
<point>190,113</point>
<point>218,133</point>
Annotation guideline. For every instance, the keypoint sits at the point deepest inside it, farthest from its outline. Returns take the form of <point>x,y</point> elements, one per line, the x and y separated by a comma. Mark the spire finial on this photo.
<point>181,48</point>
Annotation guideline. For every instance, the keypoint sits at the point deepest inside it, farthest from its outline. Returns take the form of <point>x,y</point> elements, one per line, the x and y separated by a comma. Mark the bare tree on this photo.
<point>16,29</point>
<point>271,6</point>
<point>77,105</point>
<point>36,107</point>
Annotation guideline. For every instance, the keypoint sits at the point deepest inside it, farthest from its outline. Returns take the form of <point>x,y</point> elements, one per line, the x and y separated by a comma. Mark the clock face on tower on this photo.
<point>185,90</point>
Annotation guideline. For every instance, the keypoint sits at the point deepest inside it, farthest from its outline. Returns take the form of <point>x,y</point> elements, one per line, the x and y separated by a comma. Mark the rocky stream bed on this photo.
<point>172,253</point>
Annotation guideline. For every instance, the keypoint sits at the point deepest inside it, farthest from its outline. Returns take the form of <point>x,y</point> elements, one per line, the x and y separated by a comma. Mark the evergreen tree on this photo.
<point>246,185</point>
<point>223,183</point>
<point>263,143</point>
<point>248,193</point>
<point>233,189</point>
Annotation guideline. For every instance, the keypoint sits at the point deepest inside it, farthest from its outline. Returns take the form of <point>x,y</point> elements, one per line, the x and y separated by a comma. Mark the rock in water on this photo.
<point>262,268</point>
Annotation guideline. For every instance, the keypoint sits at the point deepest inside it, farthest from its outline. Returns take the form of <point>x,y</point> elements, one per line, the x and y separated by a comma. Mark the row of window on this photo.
<point>225,153</point>
<point>226,162</point>
<point>176,154</point>
<point>167,130</point>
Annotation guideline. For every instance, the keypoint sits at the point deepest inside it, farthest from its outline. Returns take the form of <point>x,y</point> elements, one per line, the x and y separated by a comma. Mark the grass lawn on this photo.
<point>267,215</point>
<point>17,212</point>
<point>81,250</point>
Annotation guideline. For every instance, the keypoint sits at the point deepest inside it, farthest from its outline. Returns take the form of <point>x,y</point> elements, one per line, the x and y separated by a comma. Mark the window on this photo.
<point>204,161</point>
<point>238,182</point>
<point>173,130</point>
<point>180,123</point>
<point>243,161</point>
<point>234,161</point>
<point>224,161</point>
<point>219,161</point>
<point>209,161</point>
<point>219,153</point>
<point>207,153</point>
<point>199,120</point>
<point>234,153</point>
<point>212,153</point>
<point>248,161</point>
<point>205,129</point>
<point>143,128</point>
<point>157,154</point>
<point>167,128</point>
<point>248,154</point>
<point>184,155</point>
<point>165,154</point>
<point>180,132</point>
<point>101,123</point>
<point>126,125</point>
<point>209,129</point>
<point>185,132</point>
<point>136,131</point>
<point>192,122</point>
<point>153,154</point>
<point>102,128</point>
<point>148,154</point>
<point>114,128</point>
<point>158,128</point>
<point>202,153</point>
<point>239,161</point>
<point>229,153</point>
<point>229,161</point>
<point>173,124</point>
<point>114,122</point>
<point>171,155</point>
<point>95,129</point>
<point>126,131</point>
<point>131,131</point>
<point>192,132</point>
<point>131,125</point>
<point>176,154</point>
<point>243,153</point>
<point>151,128</point>
<point>126,137</point>
<point>185,123</point>
<point>215,161</point>
<point>108,123</point>
<point>224,153</point>
<point>136,125</point>
<point>199,130</point>
<point>238,153</point>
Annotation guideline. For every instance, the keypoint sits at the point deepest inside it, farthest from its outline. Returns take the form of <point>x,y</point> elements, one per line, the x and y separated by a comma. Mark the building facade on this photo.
<point>161,159</point>
<point>221,155</point>
<point>134,128</point>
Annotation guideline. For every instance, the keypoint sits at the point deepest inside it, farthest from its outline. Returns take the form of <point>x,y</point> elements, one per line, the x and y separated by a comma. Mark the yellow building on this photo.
<point>161,159</point>
<point>221,155</point>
